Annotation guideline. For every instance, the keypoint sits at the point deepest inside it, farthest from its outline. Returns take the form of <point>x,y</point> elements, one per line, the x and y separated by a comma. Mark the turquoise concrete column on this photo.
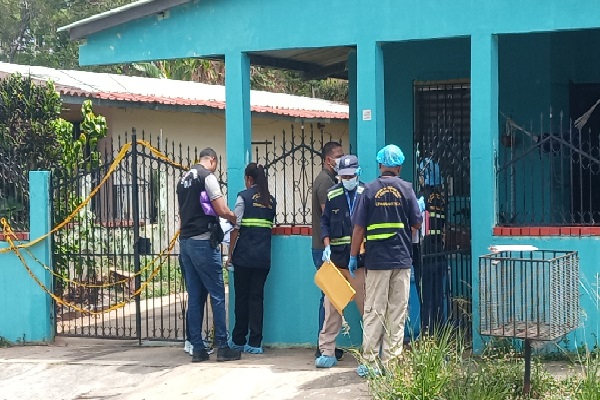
<point>27,311</point>
<point>238,126</point>
<point>484,134</point>
<point>352,106</point>
<point>370,106</point>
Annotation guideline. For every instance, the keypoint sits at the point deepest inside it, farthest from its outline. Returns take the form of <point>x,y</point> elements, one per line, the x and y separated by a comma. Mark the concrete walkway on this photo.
<point>74,368</point>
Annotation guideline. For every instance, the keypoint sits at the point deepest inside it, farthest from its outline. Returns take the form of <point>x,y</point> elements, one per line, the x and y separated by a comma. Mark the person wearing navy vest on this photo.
<point>250,255</point>
<point>336,231</point>
<point>385,214</point>
<point>200,254</point>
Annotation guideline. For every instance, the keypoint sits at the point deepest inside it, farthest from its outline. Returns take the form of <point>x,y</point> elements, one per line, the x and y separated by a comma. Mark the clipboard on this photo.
<point>335,286</point>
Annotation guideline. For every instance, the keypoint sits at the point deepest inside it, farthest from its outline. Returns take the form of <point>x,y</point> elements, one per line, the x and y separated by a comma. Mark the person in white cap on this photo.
<point>336,231</point>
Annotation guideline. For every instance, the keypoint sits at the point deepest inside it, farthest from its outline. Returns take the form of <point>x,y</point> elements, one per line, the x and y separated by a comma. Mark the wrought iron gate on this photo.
<point>442,142</point>
<point>108,252</point>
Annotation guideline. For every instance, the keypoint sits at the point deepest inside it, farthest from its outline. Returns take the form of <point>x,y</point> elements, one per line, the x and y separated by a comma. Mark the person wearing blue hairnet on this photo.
<point>385,214</point>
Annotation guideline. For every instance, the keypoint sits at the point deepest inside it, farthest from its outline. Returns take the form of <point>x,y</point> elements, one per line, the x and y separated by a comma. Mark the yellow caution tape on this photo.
<point>10,235</point>
<point>8,231</point>
<point>160,155</point>
<point>74,306</point>
<point>111,169</point>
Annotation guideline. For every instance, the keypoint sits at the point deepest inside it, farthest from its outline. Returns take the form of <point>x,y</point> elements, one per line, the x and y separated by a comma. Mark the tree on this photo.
<point>28,30</point>
<point>28,35</point>
<point>261,78</point>
<point>27,113</point>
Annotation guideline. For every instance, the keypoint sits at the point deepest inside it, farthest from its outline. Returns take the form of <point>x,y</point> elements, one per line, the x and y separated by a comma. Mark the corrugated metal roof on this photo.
<point>120,15</point>
<point>173,92</point>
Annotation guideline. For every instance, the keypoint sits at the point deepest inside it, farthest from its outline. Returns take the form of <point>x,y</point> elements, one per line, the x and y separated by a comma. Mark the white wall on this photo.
<point>289,179</point>
<point>203,130</point>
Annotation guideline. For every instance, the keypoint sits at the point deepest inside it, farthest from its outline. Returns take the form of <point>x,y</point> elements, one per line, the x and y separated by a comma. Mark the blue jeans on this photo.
<point>317,256</point>
<point>204,276</point>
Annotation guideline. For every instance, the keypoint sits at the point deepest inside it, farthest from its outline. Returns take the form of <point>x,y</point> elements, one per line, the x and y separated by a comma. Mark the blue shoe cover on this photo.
<point>363,371</point>
<point>253,350</point>
<point>325,362</point>
<point>235,346</point>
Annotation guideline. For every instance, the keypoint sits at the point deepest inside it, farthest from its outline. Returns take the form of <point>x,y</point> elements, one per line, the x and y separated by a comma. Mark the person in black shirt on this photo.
<point>201,254</point>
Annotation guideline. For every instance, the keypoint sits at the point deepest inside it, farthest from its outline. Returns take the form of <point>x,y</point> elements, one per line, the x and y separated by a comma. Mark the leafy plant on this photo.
<point>79,157</point>
<point>27,115</point>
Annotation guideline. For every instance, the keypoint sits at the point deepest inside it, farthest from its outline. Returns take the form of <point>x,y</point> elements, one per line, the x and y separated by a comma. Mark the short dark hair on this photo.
<point>328,148</point>
<point>208,152</point>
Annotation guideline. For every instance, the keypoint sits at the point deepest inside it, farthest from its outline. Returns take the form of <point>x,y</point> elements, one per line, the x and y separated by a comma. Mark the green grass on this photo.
<point>4,343</point>
<point>436,368</point>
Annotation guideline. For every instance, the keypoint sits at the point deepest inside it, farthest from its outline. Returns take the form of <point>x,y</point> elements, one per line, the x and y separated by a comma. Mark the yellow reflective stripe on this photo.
<point>435,215</point>
<point>341,240</point>
<point>381,236</point>
<point>386,225</point>
<point>434,232</point>
<point>257,222</point>
<point>335,193</point>
<point>257,226</point>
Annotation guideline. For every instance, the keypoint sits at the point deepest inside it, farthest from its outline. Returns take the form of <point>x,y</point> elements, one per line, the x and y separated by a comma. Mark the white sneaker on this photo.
<point>187,347</point>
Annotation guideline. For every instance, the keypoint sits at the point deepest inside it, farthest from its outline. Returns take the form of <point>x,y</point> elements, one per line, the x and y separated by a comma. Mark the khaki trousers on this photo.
<point>333,319</point>
<point>386,306</point>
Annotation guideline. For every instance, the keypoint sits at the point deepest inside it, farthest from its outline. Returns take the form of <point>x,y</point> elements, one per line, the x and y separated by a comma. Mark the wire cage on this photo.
<point>531,295</point>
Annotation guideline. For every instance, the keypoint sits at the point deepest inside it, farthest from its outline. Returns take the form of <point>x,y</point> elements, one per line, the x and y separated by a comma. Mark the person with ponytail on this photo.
<point>250,258</point>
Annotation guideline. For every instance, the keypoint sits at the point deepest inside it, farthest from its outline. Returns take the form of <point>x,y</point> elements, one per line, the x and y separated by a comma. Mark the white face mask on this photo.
<point>336,165</point>
<point>350,184</point>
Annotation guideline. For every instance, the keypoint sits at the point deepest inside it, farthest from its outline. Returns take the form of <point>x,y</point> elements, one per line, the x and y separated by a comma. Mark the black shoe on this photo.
<point>317,353</point>
<point>228,354</point>
<point>200,355</point>
<point>339,354</point>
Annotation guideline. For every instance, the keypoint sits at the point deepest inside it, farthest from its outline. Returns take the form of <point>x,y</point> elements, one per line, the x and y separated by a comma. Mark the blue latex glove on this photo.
<point>421,203</point>
<point>353,265</point>
<point>327,254</point>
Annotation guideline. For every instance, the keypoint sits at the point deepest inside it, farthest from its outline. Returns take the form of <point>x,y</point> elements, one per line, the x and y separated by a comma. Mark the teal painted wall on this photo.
<point>229,25</point>
<point>27,311</point>
<point>519,75</point>
<point>407,62</point>
<point>292,299</point>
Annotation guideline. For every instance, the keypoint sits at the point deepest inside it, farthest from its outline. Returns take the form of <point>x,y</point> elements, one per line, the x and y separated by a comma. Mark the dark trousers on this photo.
<point>249,284</point>
<point>431,276</point>
<point>204,277</point>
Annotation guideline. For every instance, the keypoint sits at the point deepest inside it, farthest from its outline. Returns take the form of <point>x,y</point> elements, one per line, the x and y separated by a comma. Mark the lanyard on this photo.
<point>351,205</point>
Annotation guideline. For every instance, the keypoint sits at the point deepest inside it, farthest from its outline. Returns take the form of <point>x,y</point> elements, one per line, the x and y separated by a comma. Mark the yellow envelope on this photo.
<point>331,281</point>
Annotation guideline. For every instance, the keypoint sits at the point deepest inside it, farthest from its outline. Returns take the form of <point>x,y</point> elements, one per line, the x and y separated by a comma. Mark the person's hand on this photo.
<point>230,267</point>
<point>327,254</point>
<point>421,203</point>
<point>353,265</point>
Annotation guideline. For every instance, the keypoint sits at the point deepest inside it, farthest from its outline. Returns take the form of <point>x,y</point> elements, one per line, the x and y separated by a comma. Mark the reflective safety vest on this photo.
<point>340,223</point>
<point>388,231</point>
<point>436,207</point>
<point>253,246</point>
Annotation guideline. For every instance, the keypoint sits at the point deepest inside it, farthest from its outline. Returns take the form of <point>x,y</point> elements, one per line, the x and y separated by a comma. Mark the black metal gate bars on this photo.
<point>108,252</point>
<point>442,143</point>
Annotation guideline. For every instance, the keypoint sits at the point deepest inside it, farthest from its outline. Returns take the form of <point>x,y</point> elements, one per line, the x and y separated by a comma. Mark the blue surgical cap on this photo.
<point>390,156</point>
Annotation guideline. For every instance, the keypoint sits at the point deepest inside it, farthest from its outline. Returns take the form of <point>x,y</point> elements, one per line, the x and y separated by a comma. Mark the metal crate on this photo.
<point>530,295</point>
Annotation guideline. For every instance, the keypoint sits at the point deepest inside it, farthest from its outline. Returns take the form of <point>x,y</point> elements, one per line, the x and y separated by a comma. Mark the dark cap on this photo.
<point>348,165</point>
